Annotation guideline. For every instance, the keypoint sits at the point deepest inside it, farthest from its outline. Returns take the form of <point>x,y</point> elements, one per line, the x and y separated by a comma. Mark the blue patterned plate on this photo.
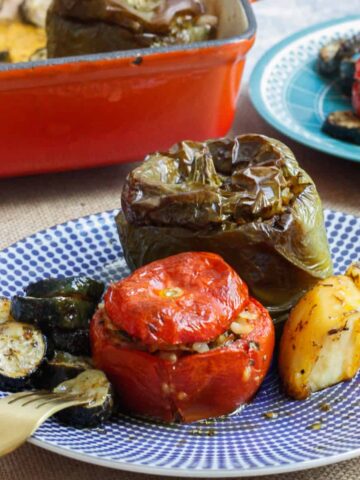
<point>243,444</point>
<point>289,94</point>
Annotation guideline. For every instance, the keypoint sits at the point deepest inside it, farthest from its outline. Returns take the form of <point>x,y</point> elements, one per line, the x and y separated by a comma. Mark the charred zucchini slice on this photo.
<point>335,52</point>
<point>349,46</point>
<point>76,287</point>
<point>347,73</point>
<point>23,349</point>
<point>63,366</point>
<point>76,342</point>
<point>94,385</point>
<point>49,313</point>
<point>344,125</point>
<point>329,61</point>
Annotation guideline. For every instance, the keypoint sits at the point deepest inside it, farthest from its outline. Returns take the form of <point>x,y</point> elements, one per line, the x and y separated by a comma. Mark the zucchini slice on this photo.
<point>49,313</point>
<point>95,385</point>
<point>328,60</point>
<point>333,53</point>
<point>76,287</point>
<point>344,125</point>
<point>63,366</point>
<point>347,73</point>
<point>23,349</point>
<point>349,46</point>
<point>76,342</point>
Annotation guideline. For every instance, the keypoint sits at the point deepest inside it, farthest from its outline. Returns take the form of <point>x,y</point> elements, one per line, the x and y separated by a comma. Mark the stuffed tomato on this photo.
<point>180,339</point>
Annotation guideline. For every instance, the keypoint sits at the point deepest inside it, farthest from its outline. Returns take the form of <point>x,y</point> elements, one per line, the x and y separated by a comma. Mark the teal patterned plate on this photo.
<point>289,94</point>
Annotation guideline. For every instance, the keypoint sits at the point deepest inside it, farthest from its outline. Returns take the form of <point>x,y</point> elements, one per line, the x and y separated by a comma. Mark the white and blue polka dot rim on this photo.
<point>243,444</point>
<point>290,95</point>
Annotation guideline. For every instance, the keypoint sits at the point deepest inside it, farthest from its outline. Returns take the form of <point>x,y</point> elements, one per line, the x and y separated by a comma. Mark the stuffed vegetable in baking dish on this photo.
<point>95,26</point>
<point>246,199</point>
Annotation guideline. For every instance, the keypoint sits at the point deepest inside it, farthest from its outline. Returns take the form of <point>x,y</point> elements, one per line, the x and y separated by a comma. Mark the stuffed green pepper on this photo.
<point>245,199</point>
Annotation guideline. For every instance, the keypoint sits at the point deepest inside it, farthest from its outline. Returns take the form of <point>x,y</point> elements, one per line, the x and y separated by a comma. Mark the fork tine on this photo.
<point>49,397</point>
<point>19,421</point>
<point>41,395</point>
<point>37,398</point>
<point>20,396</point>
<point>55,400</point>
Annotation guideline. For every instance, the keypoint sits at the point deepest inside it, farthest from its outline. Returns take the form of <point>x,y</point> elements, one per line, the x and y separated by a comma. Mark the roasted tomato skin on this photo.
<point>137,376</point>
<point>185,298</point>
<point>197,385</point>
<point>356,90</point>
<point>356,97</point>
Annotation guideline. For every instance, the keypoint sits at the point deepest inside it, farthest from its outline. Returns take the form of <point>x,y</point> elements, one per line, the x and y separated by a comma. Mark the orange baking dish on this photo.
<point>104,109</point>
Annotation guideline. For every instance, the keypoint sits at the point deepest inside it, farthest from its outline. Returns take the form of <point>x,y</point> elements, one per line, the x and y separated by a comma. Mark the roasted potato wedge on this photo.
<point>320,345</point>
<point>354,273</point>
<point>5,306</point>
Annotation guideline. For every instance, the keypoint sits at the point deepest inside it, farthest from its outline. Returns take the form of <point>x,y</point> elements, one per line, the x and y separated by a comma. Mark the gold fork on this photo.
<point>23,413</point>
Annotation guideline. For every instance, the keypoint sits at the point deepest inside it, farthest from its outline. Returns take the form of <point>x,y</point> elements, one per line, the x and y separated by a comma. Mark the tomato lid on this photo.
<point>186,298</point>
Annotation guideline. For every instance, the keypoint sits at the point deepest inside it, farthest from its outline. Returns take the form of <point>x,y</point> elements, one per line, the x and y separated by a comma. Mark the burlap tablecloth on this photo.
<point>29,204</point>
